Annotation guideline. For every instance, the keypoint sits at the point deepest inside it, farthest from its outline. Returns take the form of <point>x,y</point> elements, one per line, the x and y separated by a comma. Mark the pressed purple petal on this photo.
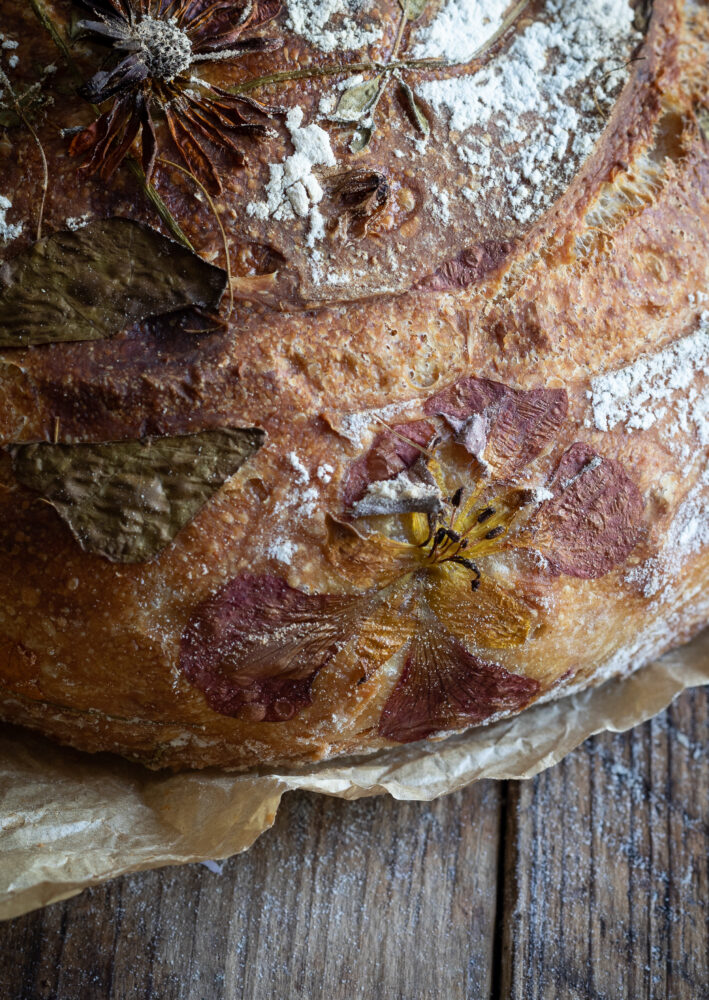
<point>503,428</point>
<point>390,454</point>
<point>469,266</point>
<point>593,521</point>
<point>256,646</point>
<point>444,687</point>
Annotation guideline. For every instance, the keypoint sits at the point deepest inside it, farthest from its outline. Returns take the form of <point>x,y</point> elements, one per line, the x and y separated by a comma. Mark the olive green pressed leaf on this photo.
<point>127,501</point>
<point>357,101</point>
<point>418,117</point>
<point>93,283</point>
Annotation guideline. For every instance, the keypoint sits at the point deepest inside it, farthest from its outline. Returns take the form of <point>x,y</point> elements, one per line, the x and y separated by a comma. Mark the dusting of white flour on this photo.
<point>688,534</point>
<point>331,24</point>
<point>461,29</point>
<point>8,230</point>
<point>282,549</point>
<point>540,96</point>
<point>636,395</point>
<point>293,190</point>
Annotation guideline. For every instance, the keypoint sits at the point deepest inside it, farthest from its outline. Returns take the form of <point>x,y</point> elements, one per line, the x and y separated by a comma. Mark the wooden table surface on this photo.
<point>587,883</point>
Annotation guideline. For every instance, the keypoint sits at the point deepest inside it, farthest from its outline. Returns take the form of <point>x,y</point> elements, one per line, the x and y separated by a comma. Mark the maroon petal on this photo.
<point>102,136</point>
<point>148,139</point>
<point>392,452</point>
<point>226,22</point>
<point>593,521</point>
<point>230,41</point>
<point>502,427</point>
<point>444,687</point>
<point>255,647</point>
<point>107,83</point>
<point>471,265</point>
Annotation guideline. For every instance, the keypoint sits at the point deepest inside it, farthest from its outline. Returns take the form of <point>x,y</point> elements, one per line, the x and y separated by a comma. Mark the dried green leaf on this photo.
<point>358,100</point>
<point>413,8</point>
<point>127,501</point>
<point>92,283</point>
<point>363,136</point>
<point>417,116</point>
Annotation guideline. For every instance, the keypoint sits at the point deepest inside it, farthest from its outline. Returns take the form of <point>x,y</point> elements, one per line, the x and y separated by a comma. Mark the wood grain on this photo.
<point>587,883</point>
<point>605,870</point>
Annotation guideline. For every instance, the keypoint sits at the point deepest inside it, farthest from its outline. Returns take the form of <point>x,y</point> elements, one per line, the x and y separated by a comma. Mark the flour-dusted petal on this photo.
<point>256,646</point>
<point>392,452</point>
<point>443,687</point>
<point>384,633</point>
<point>487,616</point>
<point>503,428</point>
<point>592,522</point>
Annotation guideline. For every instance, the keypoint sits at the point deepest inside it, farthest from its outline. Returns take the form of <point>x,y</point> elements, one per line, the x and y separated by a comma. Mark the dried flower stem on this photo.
<point>210,201</point>
<point>45,169</point>
<point>148,189</point>
<point>314,72</point>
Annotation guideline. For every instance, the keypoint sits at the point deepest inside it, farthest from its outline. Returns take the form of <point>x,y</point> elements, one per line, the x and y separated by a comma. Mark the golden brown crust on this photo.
<point>613,270</point>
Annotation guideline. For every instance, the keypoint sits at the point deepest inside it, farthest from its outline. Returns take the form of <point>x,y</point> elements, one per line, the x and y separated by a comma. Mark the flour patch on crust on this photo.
<point>461,29</point>
<point>639,395</point>
<point>687,535</point>
<point>293,191</point>
<point>332,24</point>
<point>356,427</point>
<point>581,46</point>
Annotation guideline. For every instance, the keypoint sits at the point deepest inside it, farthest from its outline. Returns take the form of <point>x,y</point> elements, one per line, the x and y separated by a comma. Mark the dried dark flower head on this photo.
<point>361,195</point>
<point>155,47</point>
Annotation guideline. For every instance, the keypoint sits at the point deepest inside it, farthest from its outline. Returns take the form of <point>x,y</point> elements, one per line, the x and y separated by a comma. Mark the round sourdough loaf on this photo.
<point>354,365</point>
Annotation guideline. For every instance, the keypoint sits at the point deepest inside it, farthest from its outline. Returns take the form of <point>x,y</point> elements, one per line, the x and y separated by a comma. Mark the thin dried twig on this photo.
<point>210,201</point>
<point>45,169</point>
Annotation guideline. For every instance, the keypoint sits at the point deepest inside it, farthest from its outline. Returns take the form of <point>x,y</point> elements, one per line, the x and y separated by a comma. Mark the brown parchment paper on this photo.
<point>70,820</point>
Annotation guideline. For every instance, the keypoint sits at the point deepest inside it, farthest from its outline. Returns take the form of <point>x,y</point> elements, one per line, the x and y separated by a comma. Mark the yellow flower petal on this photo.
<point>384,633</point>
<point>368,560</point>
<point>489,616</point>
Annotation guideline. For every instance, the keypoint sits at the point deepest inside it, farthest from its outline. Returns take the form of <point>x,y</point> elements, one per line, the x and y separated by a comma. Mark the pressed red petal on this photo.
<point>390,454</point>
<point>255,647</point>
<point>89,137</point>
<point>191,151</point>
<point>471,265</point>
<point>503,428</point>
<point>443,687</point>
<point>593,521</point>
<point>121,147</point>
<point>101,137</point>
<point>197,116</point>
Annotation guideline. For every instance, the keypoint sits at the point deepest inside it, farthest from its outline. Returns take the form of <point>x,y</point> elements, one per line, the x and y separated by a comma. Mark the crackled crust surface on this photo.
<point>607,270</point>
